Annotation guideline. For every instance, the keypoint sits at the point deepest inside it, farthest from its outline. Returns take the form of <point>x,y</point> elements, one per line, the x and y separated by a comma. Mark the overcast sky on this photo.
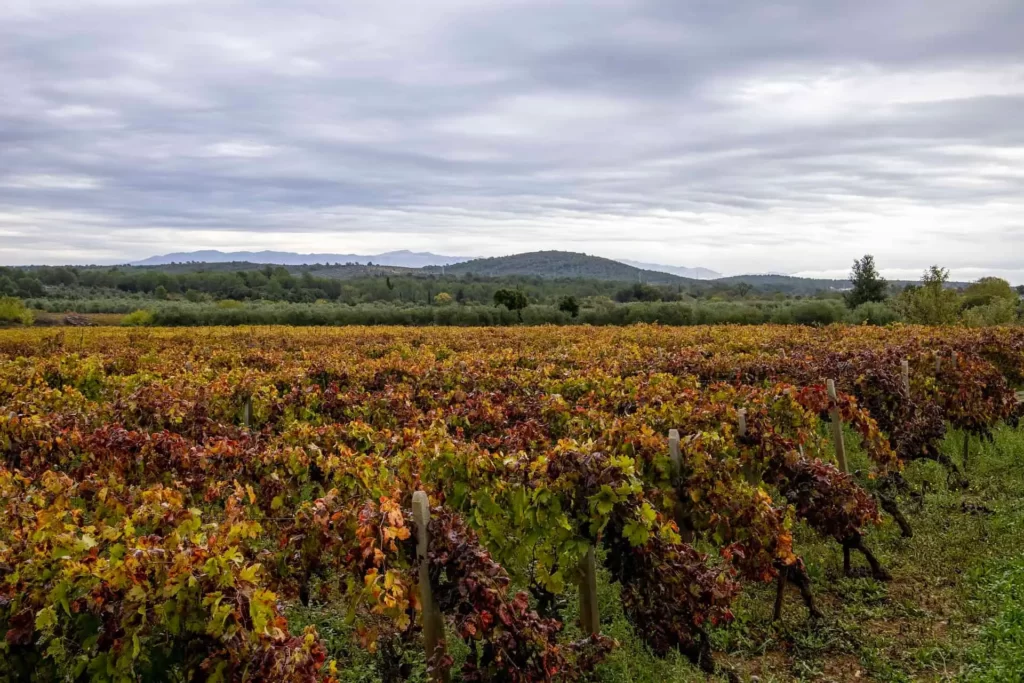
<point>746,136</point>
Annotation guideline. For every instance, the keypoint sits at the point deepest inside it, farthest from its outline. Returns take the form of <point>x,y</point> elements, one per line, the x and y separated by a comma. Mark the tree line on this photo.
<point>989,301</point>
<point>279,283</point>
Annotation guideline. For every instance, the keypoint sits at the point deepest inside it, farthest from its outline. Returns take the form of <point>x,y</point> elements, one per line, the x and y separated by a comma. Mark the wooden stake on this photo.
<point>780,594</point>
<point>433,626</point>
<point>837,426</point>
<point>673,452</point>
<point>967,448</point>
<point>938,362</point>
<point>590,619</point>
<point>905,371</point>
<point>247,412</point>
<point>741,416</point>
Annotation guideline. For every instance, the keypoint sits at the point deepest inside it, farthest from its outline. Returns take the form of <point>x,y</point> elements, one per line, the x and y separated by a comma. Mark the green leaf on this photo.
<point>46,618</point>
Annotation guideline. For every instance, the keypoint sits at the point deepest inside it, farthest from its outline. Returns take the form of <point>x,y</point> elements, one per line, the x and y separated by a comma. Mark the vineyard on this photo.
<point>180,504</point>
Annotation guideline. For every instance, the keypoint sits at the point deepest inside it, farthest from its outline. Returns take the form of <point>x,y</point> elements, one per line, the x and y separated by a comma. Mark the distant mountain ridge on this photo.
<point>402,258</point>
<point>682,271</point>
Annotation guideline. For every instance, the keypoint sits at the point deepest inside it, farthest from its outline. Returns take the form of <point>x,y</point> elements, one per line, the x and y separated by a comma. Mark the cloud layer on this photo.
<point>741,136</point>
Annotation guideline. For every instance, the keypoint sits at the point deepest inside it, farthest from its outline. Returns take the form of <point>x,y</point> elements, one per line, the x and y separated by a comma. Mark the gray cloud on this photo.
<point>741,136</point>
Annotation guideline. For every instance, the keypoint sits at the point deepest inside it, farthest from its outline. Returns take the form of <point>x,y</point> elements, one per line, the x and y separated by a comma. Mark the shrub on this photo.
<point>816,312</point>
<point>13,310</point>
<point>997,312</point>
<point>139,318</point>
<point>873,313</point>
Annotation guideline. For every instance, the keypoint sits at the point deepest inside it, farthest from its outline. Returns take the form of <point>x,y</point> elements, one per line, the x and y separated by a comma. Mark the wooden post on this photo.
<point>938,362</point>
<point>741,416</point>
<point>433,626</point>
<point>590,618</point>
<point>247,412</point>
<point>905,371</point>
<point>967,448</point>
<point>837,426</point>
<point>673,452</point>
<point>780,594</point>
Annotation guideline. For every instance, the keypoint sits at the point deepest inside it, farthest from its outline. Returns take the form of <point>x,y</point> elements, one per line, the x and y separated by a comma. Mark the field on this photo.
<point>237,504</point>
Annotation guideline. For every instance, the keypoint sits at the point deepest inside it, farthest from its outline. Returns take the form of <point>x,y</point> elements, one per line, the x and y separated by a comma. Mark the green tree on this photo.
<point>989,290</point>
<point>568,304</point>
<point>512,299</point>
<point>932,303</point>
<point>30,286</point>
<point>997,312</point>
<point>160,292</point>
<point>443,299</point>
<point>868,285</point>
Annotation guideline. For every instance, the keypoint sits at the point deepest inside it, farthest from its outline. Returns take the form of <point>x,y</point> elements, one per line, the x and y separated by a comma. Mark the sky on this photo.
<point>743,136</point>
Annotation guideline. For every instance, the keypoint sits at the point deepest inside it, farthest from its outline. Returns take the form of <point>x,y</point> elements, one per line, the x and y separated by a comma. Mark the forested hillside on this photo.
<point>562,264</point>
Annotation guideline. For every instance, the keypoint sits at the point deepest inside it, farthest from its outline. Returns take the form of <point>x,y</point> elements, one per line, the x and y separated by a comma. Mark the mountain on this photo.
<point>682,271</point>
<point>403,258</point>
<point>560,264</point>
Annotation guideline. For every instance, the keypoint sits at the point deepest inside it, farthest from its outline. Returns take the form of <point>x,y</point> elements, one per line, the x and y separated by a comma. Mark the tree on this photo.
<point>160,292</point>
<point>932,303</point>
<point>989,290</point>
<point>29,286</point>
<point>743,289</point>
<point>640,292</point>
<point>512,299</point>
<point>568,304</point>
<point>443,299</point>
<point>997,312</point>
<point>868,285</point>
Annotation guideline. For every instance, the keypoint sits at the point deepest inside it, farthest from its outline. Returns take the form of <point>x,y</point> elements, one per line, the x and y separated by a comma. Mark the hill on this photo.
<point>789,284</point>
<point>402,258</point>
<point>560,264</point>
